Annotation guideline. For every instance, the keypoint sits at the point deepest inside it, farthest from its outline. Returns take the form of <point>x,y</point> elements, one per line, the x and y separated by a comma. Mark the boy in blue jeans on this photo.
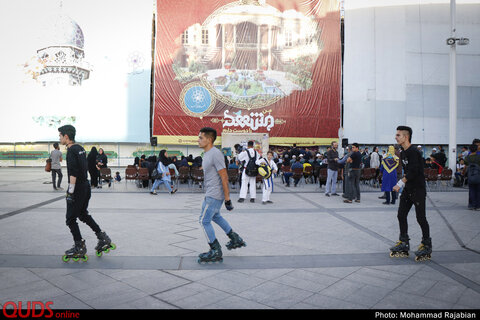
<point>216,193</point>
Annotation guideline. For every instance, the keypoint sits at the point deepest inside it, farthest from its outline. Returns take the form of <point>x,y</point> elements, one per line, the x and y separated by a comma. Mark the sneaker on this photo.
<point>357,201</point>
<point>264,202</point>
<point>347,201</point>
<point>153,192</point>
<point>269,201</point>
<point>335,194</point>
<point>241,200</point>
<point>327,195</point>
<point>252,200</point>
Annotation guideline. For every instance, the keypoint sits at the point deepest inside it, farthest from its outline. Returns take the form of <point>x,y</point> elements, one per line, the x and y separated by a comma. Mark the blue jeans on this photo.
<point>331,181</point>
<point>158,182</point>
<point>211,212</point>
<point>474,196</point>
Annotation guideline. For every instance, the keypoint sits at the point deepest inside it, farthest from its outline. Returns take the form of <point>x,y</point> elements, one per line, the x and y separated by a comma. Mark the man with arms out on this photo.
<point>414,193</point>
<point>78,195</point>
<point>216,193</point>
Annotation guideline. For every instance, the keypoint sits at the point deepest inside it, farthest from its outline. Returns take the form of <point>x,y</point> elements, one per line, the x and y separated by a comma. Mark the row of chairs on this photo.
<point>185,174</point>
<point>194,175</point>
<point>433,179</point>
<point>367,174</point>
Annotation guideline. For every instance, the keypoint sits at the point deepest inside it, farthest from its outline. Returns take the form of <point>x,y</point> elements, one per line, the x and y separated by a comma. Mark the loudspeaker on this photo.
<point>153,141</point>
<point>344,142</point>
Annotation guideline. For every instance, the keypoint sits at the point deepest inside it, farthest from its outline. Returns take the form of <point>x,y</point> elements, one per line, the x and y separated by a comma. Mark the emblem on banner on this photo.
<point>196,100</point>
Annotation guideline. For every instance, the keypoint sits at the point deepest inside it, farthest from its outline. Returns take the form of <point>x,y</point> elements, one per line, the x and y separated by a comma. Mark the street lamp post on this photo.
<point>452,136</point>
<point>452,42</point>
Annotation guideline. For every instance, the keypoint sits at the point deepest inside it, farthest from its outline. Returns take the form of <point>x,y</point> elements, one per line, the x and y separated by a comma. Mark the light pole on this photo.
<point>452,42</point>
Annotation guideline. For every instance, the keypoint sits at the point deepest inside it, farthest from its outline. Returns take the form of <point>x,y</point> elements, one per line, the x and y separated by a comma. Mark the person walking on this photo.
<point>332,170</point>
<point>388,169</point>
<point>163,174</point>
<point>216,194</point>
<point>414,194</point>
<point>355,161</point>
<point>56,156</point>
<point>249,178</point>
<point>78,196</point>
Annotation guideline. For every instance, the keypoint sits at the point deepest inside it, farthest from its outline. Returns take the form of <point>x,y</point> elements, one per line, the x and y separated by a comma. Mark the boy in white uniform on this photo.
<point>268,183</point>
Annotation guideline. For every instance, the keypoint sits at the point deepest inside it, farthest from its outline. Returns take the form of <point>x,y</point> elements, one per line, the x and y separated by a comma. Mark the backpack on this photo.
<point>251,169</point>
<point>473,174</point>
<point>265,171</point>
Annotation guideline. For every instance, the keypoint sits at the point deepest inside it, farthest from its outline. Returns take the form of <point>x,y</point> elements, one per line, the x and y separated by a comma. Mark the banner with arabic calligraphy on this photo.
<point>248,66</point>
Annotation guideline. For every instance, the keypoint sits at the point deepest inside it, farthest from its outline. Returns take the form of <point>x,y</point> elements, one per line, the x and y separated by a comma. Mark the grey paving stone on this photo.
<point>107,296</point>
<point>275,295</point>
<point>304,251</point>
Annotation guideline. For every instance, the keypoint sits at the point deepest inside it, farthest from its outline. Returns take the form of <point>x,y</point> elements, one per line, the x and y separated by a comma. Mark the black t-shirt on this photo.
<point>412,162</point>
<point>356,160</point>
<point>77,163</point>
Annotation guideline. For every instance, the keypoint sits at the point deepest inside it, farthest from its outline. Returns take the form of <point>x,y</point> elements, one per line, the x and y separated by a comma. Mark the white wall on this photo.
<point>396,70</point>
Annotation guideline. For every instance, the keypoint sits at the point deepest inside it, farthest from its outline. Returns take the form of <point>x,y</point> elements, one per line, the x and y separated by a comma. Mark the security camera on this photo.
<point>463,41</point>
<point>459,41</point>
<point>451,41</point>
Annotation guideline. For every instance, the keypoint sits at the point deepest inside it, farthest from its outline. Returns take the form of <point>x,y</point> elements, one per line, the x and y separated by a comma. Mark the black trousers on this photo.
<point>93,177</point>
<point>409,198</point>
<point>56,172</point>
<point>78,210</point>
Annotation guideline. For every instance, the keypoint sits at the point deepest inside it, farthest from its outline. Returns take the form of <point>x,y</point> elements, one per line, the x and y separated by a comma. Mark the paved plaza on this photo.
<point>305,251</point>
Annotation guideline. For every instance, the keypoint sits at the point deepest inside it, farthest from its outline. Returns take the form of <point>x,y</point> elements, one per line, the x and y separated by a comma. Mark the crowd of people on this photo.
<point>284,161</point>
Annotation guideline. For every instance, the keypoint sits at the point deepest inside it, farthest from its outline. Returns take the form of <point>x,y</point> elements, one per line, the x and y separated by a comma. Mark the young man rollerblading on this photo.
<point>216,193</point>
<point>414,194</point>
<point>78,195</point>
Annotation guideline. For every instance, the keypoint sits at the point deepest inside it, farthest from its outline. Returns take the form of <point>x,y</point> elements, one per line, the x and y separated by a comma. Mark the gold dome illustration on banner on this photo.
<point>249,54</point>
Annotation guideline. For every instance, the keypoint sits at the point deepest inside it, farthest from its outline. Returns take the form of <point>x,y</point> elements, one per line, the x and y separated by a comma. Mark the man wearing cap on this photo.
<point>419,148</point>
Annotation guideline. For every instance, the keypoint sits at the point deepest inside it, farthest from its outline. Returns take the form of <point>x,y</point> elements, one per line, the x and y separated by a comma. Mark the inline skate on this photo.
<point>212,256</point>
<point>235,241</point>
<point>424,251</point>
<point>401,248</point>
<point>77,252</point>
<point>104,244</point>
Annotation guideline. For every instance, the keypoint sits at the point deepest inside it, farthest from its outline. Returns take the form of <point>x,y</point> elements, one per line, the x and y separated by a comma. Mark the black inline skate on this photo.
<point>77,252</point>
<point>212,256</point>
<point>424,251</point>
<point>235,241</point>
<point>401,248</point>
<point>104,244</point>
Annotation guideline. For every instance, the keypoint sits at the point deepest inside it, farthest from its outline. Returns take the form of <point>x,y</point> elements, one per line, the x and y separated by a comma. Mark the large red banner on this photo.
<point>248,66</point>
